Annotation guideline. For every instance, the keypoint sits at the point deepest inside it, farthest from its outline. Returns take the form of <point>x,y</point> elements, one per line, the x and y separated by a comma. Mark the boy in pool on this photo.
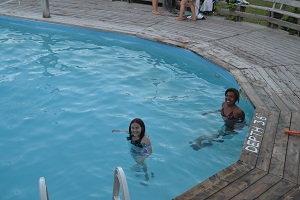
<point>141,144</point>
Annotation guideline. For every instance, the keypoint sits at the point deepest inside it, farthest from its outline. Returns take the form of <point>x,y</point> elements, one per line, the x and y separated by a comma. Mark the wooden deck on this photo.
<point>264,61</point>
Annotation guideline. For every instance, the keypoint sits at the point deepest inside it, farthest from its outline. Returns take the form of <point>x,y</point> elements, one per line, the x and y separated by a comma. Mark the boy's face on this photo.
<point>136,129</point>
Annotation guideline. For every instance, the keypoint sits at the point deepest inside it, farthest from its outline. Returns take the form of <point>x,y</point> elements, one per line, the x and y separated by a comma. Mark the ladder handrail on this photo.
<point>120,180</point>
<point>43,189</point>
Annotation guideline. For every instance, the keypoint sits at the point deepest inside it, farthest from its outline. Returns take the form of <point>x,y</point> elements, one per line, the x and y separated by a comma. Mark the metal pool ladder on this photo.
<point>119,181</point>
<point>43,189</point>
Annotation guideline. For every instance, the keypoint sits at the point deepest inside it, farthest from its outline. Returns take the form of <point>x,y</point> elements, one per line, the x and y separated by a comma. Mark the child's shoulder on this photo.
<point>145,138</point>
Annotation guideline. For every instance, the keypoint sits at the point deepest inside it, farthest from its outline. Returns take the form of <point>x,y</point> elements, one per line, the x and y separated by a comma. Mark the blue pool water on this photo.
<point>64,89</point>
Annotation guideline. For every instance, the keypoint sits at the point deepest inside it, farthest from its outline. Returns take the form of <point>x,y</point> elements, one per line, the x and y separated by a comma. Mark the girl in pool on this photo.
<point>230,111</point>
<point>141,145</point>
<point>234,119</point>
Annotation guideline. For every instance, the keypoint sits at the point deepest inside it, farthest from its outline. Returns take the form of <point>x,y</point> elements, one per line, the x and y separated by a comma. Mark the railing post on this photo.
<point>43,189</point>
<point>120,180</point>
<point>45,7</point>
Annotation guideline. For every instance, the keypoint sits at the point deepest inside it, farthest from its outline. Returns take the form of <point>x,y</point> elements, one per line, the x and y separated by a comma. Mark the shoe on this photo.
<point>244,2</point>
<point>201,17</point>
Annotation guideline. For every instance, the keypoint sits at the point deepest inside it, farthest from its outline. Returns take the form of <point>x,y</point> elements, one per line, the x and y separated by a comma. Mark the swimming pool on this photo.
<point>64,89</point>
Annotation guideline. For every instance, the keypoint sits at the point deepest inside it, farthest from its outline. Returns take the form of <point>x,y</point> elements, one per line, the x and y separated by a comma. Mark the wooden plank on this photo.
<point>258,188</point>
<point>294,3</point>
<point>255,6</point>
<point>265,153</point>
<point>267,77</point>
<point>239,185</point>
<point>281,101</point>
<point>294,70</point>
<point>285,93</point>
<point>292,165</point>
<point>277,191</point>
<point>242,14</point>
<point>216,182</point>
<point>254,45</point>
<point>284,23</point>
<point>282,77</point>
<point>284,96</point>
<point>293,194</point>
<point>254,137</point>
<point>250,77</point>
<point>264,77</point>
<point>261,87</point>
<point>285,76</point>
<point>280,145</point>
<point>252,95</point>
<point>259,131</point>
<point>284,12</point>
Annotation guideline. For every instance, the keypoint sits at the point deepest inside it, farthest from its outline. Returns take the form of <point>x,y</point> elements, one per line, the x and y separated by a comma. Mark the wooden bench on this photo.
<point>275,15</point>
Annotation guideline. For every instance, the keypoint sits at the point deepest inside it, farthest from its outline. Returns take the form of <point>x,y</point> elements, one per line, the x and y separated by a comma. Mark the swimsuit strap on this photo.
<point>222,111</point>
<point>230,116</point>
<point>137,144</point>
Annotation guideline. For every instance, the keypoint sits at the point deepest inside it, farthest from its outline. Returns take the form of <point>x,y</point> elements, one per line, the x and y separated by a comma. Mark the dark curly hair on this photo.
<point>236,93</point>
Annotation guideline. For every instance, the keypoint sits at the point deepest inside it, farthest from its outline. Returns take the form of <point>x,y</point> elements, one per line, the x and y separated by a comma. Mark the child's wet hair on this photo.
<point>236,93</point>
<point>142,124</point>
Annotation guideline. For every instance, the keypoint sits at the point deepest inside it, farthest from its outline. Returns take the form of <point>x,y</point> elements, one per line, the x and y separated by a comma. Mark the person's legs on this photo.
<point>192,6</point>
<point>182,7</point>
<point>145,169</point>
<point>155,7</point>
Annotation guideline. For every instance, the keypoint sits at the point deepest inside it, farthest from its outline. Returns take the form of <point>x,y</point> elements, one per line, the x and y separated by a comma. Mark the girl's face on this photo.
<point>136,129</point>
<point>230,98</point>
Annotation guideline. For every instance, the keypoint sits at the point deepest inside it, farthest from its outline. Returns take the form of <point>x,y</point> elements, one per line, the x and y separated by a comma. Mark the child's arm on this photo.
<point>213,111</point>
<point>125,131</point>
<point>149,147</point>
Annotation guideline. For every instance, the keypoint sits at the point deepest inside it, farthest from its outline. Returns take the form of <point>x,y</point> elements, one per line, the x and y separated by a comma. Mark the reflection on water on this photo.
<point>227,131</point>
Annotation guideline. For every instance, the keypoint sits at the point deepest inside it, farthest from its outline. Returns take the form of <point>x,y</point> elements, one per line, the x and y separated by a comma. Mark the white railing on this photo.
<point>120,180</point>
<point>43,189</point>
